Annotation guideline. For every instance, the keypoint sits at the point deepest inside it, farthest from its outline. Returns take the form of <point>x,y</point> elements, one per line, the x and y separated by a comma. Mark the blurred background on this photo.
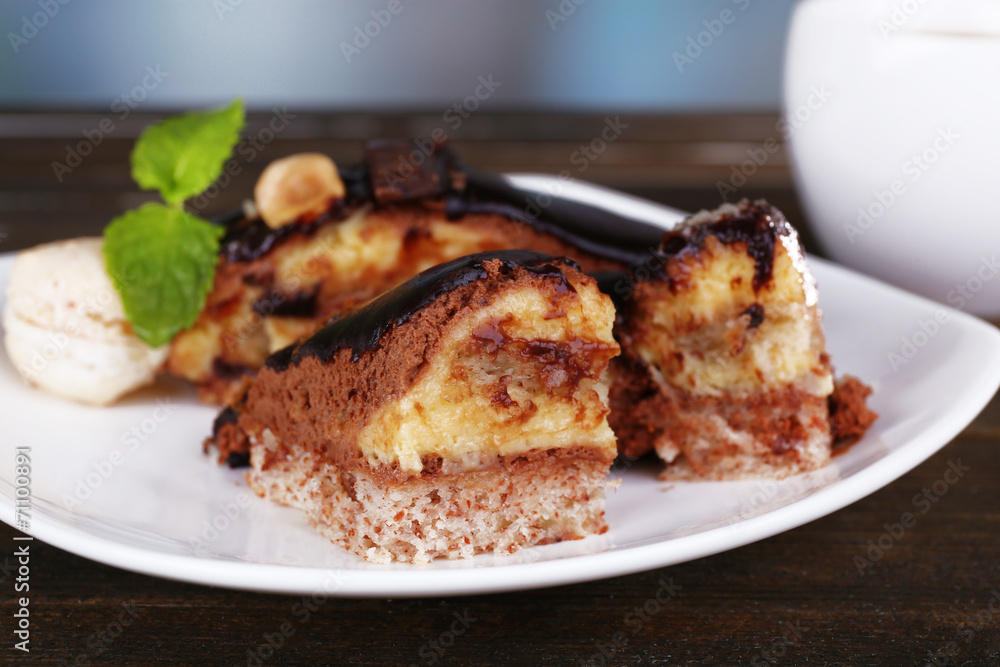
<point>308,54</point>
<point>517,86</point>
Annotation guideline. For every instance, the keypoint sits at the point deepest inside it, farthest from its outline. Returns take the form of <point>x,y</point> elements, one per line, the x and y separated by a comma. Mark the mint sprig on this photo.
<point>169,257</point>
<point>168,254</point>
<point>183,155</point>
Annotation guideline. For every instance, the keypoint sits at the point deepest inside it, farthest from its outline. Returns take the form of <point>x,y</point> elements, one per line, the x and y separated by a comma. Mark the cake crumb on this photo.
<point>850,416</point>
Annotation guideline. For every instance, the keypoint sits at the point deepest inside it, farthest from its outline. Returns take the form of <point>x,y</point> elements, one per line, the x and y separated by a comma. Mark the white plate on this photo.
<point>154,511</point>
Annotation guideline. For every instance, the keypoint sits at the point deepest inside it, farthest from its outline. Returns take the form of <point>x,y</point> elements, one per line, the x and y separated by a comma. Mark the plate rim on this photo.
<point>375,582</point>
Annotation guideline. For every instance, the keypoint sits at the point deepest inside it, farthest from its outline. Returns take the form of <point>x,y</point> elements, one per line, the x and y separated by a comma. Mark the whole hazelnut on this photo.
<point>301,184</point>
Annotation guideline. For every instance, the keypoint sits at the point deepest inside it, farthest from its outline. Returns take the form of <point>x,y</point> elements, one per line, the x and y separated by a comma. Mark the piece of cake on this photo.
<point>462,412</point>
<point>323,242</point>
<point>724,370</point>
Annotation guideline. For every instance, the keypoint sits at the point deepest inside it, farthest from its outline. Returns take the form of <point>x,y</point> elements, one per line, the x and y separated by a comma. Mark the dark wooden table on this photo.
<point>795,599</point>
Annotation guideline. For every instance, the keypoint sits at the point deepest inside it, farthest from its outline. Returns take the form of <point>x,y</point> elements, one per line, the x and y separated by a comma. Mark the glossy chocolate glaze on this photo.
<point>595,230</point>
<point>298,304</point>
<point>362,330</point>
<point>756,225</point>
<point>390,175</point>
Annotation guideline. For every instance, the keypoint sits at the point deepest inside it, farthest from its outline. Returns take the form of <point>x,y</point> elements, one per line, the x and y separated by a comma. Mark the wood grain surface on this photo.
<point>827,593</point>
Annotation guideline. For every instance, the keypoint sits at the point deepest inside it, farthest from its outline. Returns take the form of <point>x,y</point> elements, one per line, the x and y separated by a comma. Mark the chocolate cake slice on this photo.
<point>724,370</point>
<point>462,412</point>
<point>323,242</point>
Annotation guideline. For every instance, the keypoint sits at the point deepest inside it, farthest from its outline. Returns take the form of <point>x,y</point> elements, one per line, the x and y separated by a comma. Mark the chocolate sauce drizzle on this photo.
<point>302,303</point>
<point>362,330</point>
<point>396,171</point>
<point>755,312</point>
<point>758,225</point>
<point>247,239</point>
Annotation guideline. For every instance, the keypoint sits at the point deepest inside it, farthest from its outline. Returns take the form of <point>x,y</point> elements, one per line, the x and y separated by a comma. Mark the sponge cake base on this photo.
<point>536,498</point>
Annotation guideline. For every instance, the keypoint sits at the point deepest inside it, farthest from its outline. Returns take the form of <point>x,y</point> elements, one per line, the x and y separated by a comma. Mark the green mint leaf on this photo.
<point>162,262</point>
<point>183,155</point>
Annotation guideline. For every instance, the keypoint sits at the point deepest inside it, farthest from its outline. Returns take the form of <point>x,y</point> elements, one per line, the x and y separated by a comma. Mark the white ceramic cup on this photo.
<point>894,127</point>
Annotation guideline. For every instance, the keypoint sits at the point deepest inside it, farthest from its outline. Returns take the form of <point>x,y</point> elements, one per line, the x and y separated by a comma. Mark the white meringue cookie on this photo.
<point>64,327</point>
